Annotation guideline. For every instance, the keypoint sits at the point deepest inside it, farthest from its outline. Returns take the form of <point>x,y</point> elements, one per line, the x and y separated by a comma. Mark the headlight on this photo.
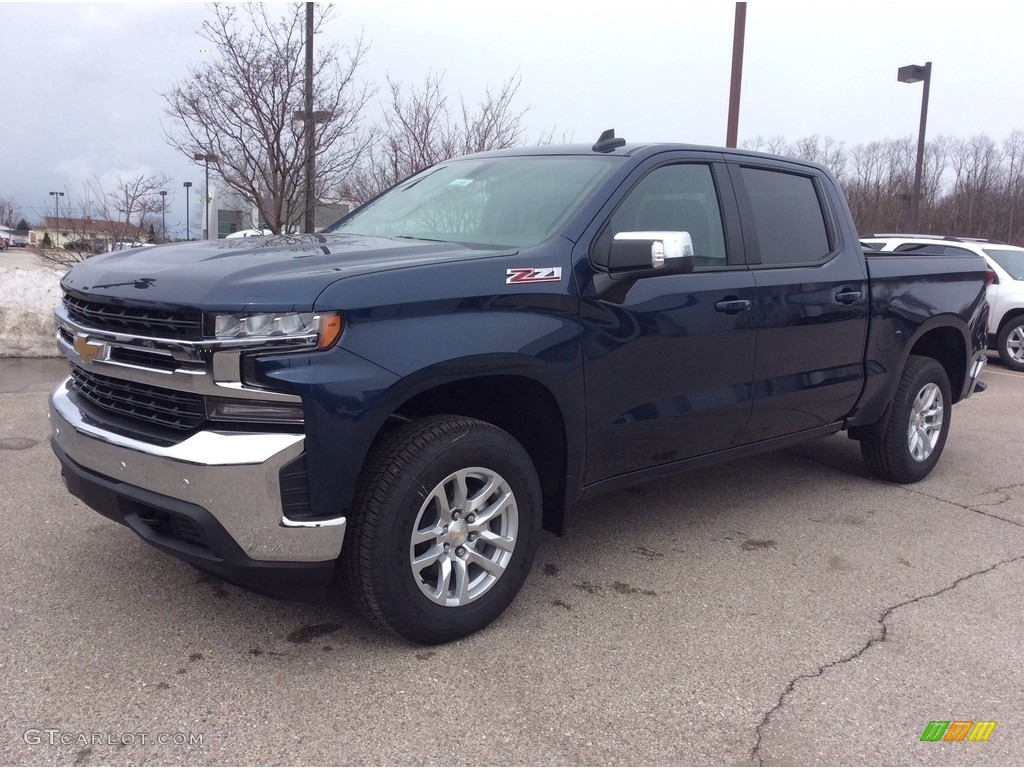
<point>326,326</point>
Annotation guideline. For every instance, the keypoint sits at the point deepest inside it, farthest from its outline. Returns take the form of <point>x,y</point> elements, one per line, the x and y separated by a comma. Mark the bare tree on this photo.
<point>9,212</point>
<point>137,197</point>
<point>827,152</point>
<point>59,257</point>
<point>548,137</point>
<point>239,105</point>
<point>1013,155</point>
<point>977,181</point>
<point>420,129</point>
<point>936,163</point>
<point>775,145</point>
<point>126,213</point>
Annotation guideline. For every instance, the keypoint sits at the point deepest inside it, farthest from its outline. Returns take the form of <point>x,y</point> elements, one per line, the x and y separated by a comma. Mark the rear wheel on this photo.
<point>916,429</point>
<point>445,528</point>
<point>1010,343</point>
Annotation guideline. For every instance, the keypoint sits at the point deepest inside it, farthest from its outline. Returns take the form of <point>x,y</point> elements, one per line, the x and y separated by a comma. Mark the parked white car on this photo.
<point>1005,295</point>
<point>248,233</point>
<point>119,246</point>
<point>12,237</point>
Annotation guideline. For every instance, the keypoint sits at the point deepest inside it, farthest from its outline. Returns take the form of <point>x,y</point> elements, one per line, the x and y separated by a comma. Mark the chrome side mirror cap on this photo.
<point>661,251</point>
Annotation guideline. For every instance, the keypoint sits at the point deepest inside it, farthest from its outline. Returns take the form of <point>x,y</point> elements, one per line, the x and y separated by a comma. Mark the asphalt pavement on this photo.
<point>772,611</point>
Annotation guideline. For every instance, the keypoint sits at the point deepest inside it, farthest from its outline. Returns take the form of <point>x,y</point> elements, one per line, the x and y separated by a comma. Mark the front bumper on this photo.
<point>213,500</point>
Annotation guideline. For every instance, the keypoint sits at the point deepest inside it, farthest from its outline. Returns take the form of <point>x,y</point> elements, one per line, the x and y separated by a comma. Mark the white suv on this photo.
<point>1005,295</point>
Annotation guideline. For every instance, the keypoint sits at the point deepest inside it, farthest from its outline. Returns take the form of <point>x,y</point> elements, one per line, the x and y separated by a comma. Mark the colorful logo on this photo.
<point>958,730</point>
<point>527,275</point>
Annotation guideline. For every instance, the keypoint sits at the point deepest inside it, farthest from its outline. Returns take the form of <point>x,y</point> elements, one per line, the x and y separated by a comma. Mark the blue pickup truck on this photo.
<point>404,401</point>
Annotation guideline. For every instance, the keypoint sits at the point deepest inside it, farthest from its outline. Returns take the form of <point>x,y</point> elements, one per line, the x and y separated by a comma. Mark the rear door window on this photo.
<point>787,215</point>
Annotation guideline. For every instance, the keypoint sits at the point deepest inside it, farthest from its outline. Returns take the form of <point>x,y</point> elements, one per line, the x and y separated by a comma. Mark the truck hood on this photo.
<point>274,273</point>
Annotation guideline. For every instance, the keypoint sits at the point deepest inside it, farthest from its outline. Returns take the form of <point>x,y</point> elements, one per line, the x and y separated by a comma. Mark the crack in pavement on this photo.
<point>1001,489</point>
<point>969,508</point>
<point>878,638</point>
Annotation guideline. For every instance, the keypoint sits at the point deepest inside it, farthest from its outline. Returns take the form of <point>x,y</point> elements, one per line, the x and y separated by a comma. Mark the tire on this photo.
<point>1010,343</point>
<point>916,429</point>
<point>419,560</point>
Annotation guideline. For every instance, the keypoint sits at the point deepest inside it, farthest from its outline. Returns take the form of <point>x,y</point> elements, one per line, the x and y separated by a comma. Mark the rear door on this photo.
<point>668,359</point>
<point>812,299</point>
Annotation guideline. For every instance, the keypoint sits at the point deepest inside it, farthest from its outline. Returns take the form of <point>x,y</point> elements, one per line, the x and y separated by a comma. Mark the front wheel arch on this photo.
<point>404,501</point>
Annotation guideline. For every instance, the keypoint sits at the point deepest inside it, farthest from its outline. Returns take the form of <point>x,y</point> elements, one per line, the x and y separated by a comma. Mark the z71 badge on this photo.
<point>526,275</point>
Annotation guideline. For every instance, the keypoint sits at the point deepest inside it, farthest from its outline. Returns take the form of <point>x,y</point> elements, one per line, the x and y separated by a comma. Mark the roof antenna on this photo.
<point>607,142</point>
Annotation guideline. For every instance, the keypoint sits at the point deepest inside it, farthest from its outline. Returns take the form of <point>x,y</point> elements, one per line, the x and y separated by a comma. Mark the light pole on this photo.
<point>207,159</point>
<point>163,215</point>
<point>915,73</point>
<point>56,202</point>
<point>188,230</point>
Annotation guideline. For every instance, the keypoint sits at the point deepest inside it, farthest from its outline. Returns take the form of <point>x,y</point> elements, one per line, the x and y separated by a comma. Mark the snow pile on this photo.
<point>27,299</point>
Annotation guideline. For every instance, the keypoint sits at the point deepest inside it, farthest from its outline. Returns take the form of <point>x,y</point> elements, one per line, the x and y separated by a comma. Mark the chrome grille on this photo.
<point>144,321</point>
<point>140,402</point>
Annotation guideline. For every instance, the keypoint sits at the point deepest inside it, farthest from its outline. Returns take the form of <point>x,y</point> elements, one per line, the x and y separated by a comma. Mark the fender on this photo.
<point>883,367</point>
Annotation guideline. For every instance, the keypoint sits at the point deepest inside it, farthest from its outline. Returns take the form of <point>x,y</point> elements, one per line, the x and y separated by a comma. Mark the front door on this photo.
<point>668,359</point>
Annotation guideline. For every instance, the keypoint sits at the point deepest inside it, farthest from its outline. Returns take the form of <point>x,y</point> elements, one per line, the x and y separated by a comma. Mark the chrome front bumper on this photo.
<point>234,476</point>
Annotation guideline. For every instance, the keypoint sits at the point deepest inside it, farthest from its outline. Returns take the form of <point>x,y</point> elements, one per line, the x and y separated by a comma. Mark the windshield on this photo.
<point>505,201</point>
<point>1011,261</point>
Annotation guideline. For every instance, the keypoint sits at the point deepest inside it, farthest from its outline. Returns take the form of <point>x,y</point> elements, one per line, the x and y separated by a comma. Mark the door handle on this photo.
<point>733,306</point>
<point>849,297</point>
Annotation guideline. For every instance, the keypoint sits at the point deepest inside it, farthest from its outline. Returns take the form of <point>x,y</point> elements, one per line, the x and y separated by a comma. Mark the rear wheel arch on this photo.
<point>946,345</point>
<point>914,430</point>
<point>1010,316</point>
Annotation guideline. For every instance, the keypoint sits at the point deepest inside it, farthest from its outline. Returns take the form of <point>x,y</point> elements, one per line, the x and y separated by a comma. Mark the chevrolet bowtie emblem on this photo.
<point>87,350</point>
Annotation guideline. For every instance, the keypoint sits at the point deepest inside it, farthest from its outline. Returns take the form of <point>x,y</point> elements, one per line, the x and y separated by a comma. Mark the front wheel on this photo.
<point>1010,343</point>
<point>918,424</point>
<point>445,527</point>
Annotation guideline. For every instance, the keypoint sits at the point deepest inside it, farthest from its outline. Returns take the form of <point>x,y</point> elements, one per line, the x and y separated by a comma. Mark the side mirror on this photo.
<point>651,252</point>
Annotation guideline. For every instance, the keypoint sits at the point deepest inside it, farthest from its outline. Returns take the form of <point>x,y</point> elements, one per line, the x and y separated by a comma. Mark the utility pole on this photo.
<point>309,119</point>
<point>738,33</point>
<point>310,226</point>
<point>56,202</point>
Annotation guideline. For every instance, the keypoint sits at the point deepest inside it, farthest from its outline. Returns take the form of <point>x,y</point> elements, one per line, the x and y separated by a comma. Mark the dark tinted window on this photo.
<point>932,249</point>
<point>788,218</point>
<point>1011,261</point>
<point>923,249</point>
<point>951,250</point>
<point>676,198</point>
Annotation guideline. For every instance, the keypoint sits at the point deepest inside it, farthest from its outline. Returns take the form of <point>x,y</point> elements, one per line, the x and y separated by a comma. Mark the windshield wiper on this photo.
<point>425,239</point>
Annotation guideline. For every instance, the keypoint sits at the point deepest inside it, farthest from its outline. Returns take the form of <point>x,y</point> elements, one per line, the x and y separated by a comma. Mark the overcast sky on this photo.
<point>82,82</point>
